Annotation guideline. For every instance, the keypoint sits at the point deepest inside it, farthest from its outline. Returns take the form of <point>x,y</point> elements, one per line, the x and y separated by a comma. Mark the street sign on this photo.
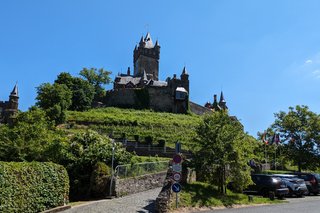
<point>177,176</point>
<point>177,167</point>
<point>177,159</point>
<point>176,187</point>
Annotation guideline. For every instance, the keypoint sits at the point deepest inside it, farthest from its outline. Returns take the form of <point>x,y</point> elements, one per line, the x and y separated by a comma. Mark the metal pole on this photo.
<point>112,173</point>
<point>176,200</point>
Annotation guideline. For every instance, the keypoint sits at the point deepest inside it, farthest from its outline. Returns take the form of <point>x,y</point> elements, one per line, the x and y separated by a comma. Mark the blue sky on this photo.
<point>264,55</point>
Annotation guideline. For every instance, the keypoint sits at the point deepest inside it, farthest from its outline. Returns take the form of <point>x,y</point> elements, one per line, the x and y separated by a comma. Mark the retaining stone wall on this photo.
<point>138,184</point>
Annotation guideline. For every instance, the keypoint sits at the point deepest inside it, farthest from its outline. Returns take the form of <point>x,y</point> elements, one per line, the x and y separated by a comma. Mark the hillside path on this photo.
<point>140,202</point>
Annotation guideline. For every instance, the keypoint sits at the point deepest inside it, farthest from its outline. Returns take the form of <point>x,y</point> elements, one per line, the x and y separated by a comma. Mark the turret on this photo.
<point>146,57</point>
<point>222,102</point>
<point>185,78</point>
<point>13,98</point>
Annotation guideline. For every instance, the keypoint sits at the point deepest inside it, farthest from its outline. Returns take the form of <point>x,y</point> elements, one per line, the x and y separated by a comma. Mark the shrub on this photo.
<point>99,181</point>
<point>148,140</point>
<point>162,143</point>
<point>32,187</point>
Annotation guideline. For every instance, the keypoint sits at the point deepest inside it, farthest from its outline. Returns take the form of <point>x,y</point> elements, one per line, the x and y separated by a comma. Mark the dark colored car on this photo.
<point>296,186</point>
<point>267,186</point>
<point>312,181</point>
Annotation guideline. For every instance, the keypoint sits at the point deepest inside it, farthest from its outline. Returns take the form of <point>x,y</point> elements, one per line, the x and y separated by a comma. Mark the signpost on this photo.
<point>177,169</point>
<point>177,176</point>
<point>176,187</point>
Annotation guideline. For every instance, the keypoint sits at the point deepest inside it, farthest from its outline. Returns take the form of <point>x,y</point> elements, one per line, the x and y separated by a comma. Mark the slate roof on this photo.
<point>124,80</point>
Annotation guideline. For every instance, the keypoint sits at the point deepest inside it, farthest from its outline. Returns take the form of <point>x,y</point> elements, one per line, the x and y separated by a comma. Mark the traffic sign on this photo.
<point>177,159</point>
<point>176,187</point>
<point>177,167</point>
<point>177,176</point>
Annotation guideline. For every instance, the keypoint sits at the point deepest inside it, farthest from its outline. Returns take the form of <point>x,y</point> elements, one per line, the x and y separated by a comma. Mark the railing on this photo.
<point>138,169</point>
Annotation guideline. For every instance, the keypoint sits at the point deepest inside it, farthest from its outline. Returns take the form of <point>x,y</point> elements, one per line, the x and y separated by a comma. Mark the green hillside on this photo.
<point>167,126</point>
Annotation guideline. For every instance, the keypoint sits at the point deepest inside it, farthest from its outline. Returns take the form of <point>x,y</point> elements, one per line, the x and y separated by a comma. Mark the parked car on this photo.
<point>312,181</point>
<point>296,186</point>
<point>267,186</point>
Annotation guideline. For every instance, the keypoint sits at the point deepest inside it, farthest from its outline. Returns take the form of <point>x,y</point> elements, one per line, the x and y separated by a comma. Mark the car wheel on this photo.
<point>271,195</point>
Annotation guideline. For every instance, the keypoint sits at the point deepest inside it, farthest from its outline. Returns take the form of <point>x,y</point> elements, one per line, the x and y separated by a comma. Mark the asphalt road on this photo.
<point>137,203</point>
<point>309,204</point>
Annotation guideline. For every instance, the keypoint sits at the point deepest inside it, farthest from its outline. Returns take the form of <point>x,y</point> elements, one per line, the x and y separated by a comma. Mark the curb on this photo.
<point>57,209</point>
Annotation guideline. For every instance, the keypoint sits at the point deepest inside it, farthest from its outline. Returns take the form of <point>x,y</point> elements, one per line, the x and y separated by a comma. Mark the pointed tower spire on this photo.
<point>221,98</point>
<point>148,41</point>
<point>157,43</point>
<point>14,92</point>
<point>222,102</point>
<point>144,77</point>
<point>184,71</point>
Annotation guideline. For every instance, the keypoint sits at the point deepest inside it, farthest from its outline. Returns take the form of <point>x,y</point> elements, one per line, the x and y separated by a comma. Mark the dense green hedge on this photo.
<point>32,187</point>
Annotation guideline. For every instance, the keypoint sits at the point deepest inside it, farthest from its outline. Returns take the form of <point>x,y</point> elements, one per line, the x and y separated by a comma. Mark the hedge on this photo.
<point>32,187</point>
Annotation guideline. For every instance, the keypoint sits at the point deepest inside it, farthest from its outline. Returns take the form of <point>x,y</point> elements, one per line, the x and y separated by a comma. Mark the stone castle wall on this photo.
<point>156,98</point>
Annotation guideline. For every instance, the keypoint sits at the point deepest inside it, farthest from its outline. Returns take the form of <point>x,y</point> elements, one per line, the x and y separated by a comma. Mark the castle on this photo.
<point>217,106</point>
<point>143,89</point>
<point>9,108</point>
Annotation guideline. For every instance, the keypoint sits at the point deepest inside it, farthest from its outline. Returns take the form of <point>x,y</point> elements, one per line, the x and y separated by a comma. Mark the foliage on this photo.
<point>142,98</point>
<point>97,78</point>
<point>82,91</point>
<point>55,99</point>
<point>31,137</point>
<point>34,138</point>
<point>32,187</point>
<point>199,194</point>
<point>223,150</point>
<point>99,180</point>
<point>167,126</point>
<point>299,131</point>
<point>87,150</point>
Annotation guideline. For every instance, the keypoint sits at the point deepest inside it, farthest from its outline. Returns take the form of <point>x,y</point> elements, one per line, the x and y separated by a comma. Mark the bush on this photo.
<point>32,187</point>
<point>148,140</point>
<point>99,181</point>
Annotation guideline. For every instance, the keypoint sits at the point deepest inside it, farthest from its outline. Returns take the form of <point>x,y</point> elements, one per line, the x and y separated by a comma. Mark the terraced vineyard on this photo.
<point>161,126</point>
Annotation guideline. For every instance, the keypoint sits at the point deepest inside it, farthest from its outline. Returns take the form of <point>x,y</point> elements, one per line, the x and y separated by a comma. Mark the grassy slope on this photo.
<point>168,126</point>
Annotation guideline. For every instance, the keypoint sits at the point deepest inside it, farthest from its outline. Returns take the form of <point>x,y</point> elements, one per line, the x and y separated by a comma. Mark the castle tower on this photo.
<point>185,78</point>
<point>222,102</point>
<point>13,99</point>
<point>146,57</point>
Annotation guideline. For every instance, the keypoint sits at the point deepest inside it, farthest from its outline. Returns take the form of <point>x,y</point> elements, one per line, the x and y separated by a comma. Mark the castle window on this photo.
<point>181,93</point>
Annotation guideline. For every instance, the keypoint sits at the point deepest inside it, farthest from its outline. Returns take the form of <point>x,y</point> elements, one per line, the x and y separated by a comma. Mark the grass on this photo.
<point>200,194</point>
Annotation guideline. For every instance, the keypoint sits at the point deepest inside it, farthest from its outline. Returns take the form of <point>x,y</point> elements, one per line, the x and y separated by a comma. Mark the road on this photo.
<point>140,202</point>
<point>309,204</point>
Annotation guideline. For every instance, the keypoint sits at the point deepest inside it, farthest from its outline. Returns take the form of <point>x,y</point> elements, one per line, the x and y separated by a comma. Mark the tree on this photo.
<point>223,150</point>
<point>97,78</point>
<point>82,91</point>
<point>55,99</point>
<point>299,131</point>
<point>30,138</point>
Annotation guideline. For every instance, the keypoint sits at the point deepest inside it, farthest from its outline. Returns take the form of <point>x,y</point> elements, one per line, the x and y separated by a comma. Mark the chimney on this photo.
<point>128,71</point>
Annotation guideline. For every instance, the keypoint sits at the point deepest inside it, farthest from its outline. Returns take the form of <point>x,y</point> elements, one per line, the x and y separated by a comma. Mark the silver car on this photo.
<point>295,185</point>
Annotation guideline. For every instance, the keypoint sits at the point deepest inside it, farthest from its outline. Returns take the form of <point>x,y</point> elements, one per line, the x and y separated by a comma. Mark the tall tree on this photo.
<point>299,130</point>
<point>55,99</point>
<point>82,91</point>
<point>223,150</point>
<point>97,78</point>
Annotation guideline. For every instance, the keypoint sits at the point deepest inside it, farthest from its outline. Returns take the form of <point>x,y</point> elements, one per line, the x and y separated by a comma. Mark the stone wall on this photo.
<point>163,200</point>
<point>160,99</point>
<point>138,184</point>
